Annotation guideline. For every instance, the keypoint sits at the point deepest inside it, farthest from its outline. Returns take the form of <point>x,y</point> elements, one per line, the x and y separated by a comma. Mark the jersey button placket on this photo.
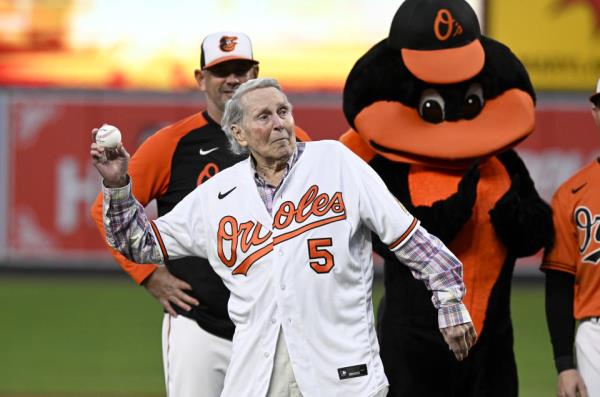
<point>274,318</point>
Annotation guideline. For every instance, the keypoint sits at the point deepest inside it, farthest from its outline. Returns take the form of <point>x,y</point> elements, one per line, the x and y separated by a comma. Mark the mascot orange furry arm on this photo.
<point>436,109</point>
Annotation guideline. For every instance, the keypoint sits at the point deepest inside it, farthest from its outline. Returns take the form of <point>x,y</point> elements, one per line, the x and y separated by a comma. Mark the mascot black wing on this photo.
<point>436,109</point>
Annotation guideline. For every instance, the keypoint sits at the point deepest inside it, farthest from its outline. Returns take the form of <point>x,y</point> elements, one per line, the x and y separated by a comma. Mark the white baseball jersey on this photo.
<point>307,268</point>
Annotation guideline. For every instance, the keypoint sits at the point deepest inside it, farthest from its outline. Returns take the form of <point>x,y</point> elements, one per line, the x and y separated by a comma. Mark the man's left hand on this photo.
<point>460,338</point>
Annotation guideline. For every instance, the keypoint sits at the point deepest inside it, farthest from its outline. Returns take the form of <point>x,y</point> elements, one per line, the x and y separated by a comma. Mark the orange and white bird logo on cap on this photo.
<point>228,43</point>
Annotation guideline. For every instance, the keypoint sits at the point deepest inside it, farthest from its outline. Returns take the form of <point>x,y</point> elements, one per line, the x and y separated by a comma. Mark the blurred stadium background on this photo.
<point>72,323</point>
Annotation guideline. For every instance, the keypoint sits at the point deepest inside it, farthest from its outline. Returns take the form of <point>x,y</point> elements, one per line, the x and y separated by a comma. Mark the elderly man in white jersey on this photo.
<point>289,232</point>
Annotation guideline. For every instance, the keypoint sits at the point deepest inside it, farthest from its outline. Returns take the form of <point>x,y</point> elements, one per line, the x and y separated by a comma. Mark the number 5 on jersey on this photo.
<point>321,259</point>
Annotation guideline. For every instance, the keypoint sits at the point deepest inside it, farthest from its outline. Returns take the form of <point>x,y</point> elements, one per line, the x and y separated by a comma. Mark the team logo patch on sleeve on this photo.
<point>353,371</point>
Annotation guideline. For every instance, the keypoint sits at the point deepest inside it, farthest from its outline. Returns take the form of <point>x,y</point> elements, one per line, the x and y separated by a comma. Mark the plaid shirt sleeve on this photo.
<point>127,228</point>
<point>429,260</point>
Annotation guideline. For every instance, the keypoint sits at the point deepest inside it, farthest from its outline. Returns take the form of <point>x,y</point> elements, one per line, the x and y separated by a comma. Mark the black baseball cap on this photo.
<point>438,40</point>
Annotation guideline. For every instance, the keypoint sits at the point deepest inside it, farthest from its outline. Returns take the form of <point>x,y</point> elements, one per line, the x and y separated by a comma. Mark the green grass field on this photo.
<point>101,337</point>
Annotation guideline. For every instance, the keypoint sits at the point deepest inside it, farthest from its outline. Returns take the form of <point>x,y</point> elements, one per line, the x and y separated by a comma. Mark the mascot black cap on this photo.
<point>446,48</point>
<point>436,47</point>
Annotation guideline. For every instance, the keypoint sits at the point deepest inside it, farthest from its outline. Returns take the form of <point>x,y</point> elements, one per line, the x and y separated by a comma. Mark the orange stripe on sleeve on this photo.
<point>561,267</point>
<point>159,239</point>
<point>404,235</point>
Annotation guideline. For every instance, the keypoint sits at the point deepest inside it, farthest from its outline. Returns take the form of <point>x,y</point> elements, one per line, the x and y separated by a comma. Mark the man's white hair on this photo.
<point>234,111</point>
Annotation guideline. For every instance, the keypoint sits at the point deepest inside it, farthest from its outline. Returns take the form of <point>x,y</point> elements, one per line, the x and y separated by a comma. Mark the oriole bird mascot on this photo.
<point>436,109</point>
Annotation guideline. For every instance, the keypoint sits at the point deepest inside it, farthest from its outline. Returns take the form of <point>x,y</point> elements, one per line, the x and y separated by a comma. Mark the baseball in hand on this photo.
<point>108,136</point>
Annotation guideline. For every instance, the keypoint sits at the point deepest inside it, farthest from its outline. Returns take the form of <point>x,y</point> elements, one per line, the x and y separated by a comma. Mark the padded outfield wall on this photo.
<point>47,182</point>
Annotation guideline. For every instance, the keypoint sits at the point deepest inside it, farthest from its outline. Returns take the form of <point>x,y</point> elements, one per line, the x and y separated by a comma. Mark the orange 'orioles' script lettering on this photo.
<point>311,203</point>
<point>233,234</point>
<point>246,235</point>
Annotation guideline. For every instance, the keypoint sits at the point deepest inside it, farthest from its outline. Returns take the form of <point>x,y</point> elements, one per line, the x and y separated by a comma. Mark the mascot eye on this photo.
<point>473,102</point>
<point>431,106</point>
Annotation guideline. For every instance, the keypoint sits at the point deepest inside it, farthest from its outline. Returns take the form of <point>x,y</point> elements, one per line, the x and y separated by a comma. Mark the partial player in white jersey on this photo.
<point>289,232</point>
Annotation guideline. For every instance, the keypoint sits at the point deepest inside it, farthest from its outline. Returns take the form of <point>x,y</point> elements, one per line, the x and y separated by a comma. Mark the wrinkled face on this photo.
<point>267,128</point>
<point>220,81</point>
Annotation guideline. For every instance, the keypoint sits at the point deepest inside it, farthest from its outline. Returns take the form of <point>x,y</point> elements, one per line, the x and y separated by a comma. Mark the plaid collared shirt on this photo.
<point>430,260</point>
<point>266,190</point>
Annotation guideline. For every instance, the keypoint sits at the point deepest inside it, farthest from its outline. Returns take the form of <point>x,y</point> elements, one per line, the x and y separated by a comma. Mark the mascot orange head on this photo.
<point>436,92</point>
